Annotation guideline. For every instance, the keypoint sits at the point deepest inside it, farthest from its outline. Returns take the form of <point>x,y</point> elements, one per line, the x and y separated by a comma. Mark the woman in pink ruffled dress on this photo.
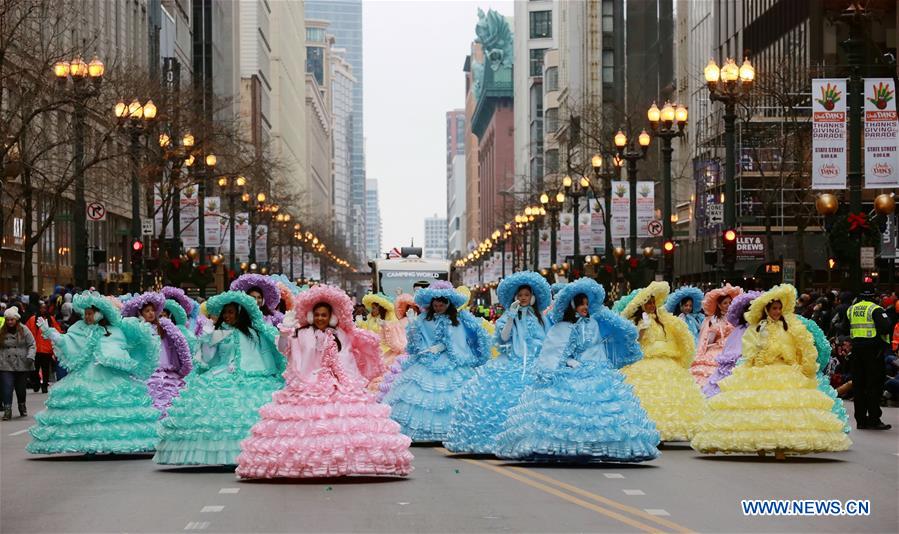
<point>324,422</point>
<point>713,332</point>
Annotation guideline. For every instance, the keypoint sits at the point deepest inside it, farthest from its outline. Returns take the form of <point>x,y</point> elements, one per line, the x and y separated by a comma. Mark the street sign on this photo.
<point>789,272</point>
<point>96,211</point>
<point>867,258</point>
<point>715,213</point>
<point>654,227</point>
<point>146,227</point>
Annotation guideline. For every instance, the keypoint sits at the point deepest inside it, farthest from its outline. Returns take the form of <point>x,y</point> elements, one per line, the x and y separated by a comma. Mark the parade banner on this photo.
<point>312,267</point>
<point>566,235</point>
<point>621,205</point>
<point>508,264</point>
<point>262,243</point>
<point>646,207</point>
<point>213,222</point>
<point>241,236</point>
<point>585,231</point>
<point>188,216</point>
<point>497,265</point>
<point>881,134</point>
<point>543,249</point>
<point>597,231</point>
<point>828,134</point>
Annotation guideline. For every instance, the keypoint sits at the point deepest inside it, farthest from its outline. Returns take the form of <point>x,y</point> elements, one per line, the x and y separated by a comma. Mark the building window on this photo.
<point>541,24</point>
<point>608,66</point>
<point>537,61</point>
<point>551,120</point>
<point>608,16</point>
<point>551,79</point>
<point>551,161</point>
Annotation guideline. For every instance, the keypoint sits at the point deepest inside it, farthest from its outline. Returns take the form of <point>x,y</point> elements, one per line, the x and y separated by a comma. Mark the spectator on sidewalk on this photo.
<point>43,362</point>
<point>17,352</point>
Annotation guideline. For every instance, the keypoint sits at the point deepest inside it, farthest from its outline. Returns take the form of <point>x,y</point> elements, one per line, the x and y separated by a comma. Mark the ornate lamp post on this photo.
<point>80,73</point>
<point>632,156</point>
<point>667,124</point>
<point>135,119</point>
<point>606,177</point>
<point>233,188</point>
<point>552,204</point>
<point>575,189</point>
<point>730,85</point>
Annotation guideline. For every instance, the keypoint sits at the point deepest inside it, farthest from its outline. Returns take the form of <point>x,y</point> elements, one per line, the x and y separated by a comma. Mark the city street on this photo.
<point>680,492</point>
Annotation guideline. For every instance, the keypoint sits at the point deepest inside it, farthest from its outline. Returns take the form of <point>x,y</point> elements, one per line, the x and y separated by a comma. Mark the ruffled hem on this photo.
<point>484,406</point>
<point>92,446</point>
<point>198,452</point>
<point>163,387</point>
<point>545,451</point>
<point>670,396</point>
<point>301,463</point>
<point>789,442</point>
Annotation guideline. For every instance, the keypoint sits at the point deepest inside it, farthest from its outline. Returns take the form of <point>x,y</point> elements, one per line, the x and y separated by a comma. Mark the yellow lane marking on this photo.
<point>574,500</point>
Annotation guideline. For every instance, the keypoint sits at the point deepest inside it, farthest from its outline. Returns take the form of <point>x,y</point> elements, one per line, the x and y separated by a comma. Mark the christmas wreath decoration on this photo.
<point>849,233</point>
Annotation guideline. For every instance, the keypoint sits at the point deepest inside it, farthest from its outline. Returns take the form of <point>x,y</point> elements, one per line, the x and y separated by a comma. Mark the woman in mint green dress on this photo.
<point>235,374</point>
<point>103,405</point>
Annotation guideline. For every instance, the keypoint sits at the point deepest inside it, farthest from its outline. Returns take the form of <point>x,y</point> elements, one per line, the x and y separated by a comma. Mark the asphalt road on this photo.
<point>682,491</point>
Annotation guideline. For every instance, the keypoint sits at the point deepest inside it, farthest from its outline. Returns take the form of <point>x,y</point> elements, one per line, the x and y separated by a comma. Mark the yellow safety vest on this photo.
<point>861,320</point>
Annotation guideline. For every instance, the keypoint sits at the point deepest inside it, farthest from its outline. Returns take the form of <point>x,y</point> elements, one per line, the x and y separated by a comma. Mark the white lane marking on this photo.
<point>212,508</point>
<point>633,492</point>
<point>19,433</point>
<point>229,490</point>
<point>197,525</point>
<point>613,475</point>
<point>655,511</point>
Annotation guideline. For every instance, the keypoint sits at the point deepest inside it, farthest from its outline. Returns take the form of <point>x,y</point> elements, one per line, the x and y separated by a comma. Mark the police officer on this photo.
<point>869,327</point>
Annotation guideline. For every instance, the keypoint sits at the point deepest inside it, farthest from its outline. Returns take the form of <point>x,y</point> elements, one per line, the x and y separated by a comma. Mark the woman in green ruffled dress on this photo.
<point>103,405</point>
<point>235,374</point>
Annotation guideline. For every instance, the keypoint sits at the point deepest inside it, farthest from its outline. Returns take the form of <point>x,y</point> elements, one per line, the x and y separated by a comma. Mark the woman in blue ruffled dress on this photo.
<point>444,347</point>
<point>235,374</point>
<point>686,304</point>
<point>579,408</point>
<point>498,384</point>
<point>103,405</point>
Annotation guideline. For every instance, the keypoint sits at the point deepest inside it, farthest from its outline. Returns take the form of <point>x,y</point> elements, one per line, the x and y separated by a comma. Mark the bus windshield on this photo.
<point>395,282</point>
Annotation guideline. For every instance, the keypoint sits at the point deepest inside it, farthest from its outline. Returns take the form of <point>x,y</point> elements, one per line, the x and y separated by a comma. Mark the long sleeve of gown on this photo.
<point>394,334</point>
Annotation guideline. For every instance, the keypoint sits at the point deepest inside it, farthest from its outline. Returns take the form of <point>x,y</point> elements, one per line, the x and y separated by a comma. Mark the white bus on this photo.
<point>402,275</point>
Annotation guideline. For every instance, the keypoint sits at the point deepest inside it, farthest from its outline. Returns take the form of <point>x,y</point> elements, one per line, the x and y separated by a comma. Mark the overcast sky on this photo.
<point>414,52</point>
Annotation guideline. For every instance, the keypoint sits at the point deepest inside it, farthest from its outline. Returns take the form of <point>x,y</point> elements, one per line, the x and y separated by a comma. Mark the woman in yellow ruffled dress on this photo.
<point>771,402</point>
<point>382,321</point>
<point>662,379</point>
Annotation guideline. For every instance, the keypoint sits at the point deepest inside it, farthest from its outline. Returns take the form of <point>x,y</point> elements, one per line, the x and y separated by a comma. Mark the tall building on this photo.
<point>345,24</point>
<point>456,133</point>
<point>536,25</point>
<point>372,220</point>
<point>318,127</point>
<point>473,63</point>
<point>435,238</point>
<point>342,82</point>
<point>493,122</point>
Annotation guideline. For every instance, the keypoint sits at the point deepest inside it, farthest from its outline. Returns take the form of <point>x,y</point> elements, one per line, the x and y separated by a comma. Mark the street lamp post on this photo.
<point>79,72</point>
<point>575,190</point>
<point>606,177</point>
<point>135,118</point>
<point>632,156</point>
<point>553,208</point>
<point>232,186</point>
<point>667,123</point>
<point>729,85</point>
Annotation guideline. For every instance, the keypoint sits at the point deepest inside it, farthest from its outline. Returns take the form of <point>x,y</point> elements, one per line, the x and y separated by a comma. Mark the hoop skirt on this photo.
<point>430,385</point>
<point>662,381</point>
<point>496,387</point>
<point>579,408</point>
<point>234,377</point>
<point>324,423</point>
<point>771,402</point>
<point>102,406</point>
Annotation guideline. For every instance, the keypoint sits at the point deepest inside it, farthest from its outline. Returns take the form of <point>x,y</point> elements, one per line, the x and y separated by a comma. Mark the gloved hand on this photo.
<point>219,335</point>
<point>208,327</point>
<point>290,320</point>
<point>359,319</point>
<point>42,324</point>
<point>571,362</point>
<point>515,307</point>
<point>644,322</point>
<point>411,314</point>
<point>434,349</point>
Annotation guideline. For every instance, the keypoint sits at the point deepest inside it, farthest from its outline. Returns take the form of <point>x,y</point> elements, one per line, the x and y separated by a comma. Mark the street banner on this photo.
<point>262,243</point>
<point>190,212</point>
<point>508,264</point>
<point>158,214</point>
<point>585,230</point>
<point>888,238</point>
<point>543,248</point>
<point>828,133</point>
<point>312,269</point>
<point>497,265</point>
<point>646,207</point>
<point>881,134</point>
<point>242,235</point>
<point>621,214</point>
<point>213,222</point>
<point>566,234</point>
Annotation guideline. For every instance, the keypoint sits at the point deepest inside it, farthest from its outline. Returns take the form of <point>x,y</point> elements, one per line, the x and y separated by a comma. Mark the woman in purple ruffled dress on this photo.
<point>733,347</point>
<point>175,355</point>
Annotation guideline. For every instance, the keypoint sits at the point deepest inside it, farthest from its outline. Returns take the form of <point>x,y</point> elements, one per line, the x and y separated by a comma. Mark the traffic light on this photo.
<point>668,248</point>
<point>137,252</point>
<point>729,245</point>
